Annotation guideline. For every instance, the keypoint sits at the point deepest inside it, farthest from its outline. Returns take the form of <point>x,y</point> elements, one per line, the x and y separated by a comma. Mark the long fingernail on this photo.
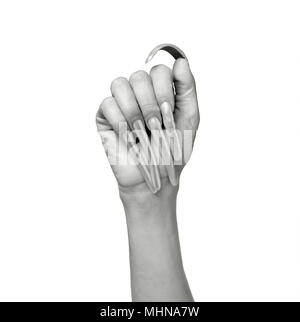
<point>157,132</point>
<point>170,126</point>
<point>141,162</point>
<point>171,49</point>
<point>139,126</point>
<point>145,173</point>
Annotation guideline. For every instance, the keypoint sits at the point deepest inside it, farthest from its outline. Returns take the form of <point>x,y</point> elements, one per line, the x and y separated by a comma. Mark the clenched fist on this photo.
<point>148,125</point>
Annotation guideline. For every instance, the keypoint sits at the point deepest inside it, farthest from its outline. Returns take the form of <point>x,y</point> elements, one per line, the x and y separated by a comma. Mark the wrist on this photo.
<point>140,202</point>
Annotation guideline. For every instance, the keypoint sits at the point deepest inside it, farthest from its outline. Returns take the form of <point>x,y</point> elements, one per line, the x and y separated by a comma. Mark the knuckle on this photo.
<point>138,76</point>
<point>161,68</point>
<point>117,83</point>
<point>107,101</point>
<point>165,98</point>
<point>148,107</point>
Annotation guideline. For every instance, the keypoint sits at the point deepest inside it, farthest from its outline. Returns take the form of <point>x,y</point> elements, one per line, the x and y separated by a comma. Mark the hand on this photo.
<point>141,104</point>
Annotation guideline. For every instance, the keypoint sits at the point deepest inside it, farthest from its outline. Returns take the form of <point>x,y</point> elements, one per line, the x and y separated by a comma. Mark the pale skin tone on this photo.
<point>157,272</point>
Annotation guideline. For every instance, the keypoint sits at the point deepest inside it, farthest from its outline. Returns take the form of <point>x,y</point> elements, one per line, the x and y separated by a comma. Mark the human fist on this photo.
<point>149,124</point>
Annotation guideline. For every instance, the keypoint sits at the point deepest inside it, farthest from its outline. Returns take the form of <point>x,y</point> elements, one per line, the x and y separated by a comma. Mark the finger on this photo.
<point>186,96</point>
<point>110,114</point>
<point>142,86</point>
<point>186,106</point>
<point>123,94</point>
<point>162,80</point>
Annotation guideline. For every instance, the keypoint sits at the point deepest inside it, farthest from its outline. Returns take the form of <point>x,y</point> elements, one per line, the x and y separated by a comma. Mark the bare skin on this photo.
<point>157,272</point>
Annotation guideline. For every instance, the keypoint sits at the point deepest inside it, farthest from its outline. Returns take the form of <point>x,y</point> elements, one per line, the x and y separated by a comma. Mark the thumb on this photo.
<point>186,105</point>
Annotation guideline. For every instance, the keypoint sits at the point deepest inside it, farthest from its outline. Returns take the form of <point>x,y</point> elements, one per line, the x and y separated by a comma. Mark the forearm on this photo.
<point>157,272</point>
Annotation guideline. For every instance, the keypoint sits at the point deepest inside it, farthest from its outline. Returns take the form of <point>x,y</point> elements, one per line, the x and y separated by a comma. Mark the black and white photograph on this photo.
<point>150,153</point>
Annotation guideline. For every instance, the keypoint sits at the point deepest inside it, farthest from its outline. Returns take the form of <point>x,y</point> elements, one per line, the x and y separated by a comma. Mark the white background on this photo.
<point>62,228</point>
